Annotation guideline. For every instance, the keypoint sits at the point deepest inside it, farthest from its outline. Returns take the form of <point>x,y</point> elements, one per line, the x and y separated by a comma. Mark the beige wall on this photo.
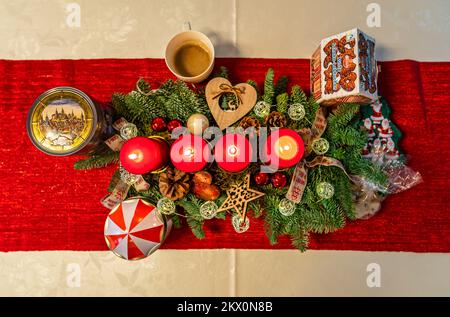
<point>413,29</point>
<point>37,29</point>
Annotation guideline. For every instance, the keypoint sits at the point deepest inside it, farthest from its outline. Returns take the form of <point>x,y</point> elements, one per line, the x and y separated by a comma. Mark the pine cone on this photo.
<point>174,184</point>
<point>276,120</point>
<point>248,122</point>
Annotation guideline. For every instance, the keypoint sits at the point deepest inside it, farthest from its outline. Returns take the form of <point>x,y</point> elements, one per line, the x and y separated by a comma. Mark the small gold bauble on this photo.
<point>296,111</point>
<point>197,123</point>
<point>262,109</point>
<point>166,206</point>
<point>208,210</point>
<point>325,190</point>
<point>320,146</point>
<point>286,207</point>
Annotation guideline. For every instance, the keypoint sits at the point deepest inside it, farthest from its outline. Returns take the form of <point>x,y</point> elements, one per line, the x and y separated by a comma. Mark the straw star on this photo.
<point>238,197</point>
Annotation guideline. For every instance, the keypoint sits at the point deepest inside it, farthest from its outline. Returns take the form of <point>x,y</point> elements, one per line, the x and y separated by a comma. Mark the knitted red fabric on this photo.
<point>47,205</point>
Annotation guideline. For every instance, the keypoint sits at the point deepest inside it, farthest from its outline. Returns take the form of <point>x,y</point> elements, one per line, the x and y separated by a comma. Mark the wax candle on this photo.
<point>233,152</point>
<point>283,148</point>
<point>141,155</point>
<point>190,153</point>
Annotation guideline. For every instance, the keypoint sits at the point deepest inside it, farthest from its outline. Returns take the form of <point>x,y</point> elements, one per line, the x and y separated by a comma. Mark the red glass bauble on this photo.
<point>159,124</point>
<point>279,180</point>
<point>173,124</point>
<point>261,178</point>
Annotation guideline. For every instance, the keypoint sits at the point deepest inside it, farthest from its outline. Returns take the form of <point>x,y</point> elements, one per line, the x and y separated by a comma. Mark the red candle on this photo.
<point>141,155</point>
<point>233,152</point>
<point>284,148</point>
<point>190,153</point>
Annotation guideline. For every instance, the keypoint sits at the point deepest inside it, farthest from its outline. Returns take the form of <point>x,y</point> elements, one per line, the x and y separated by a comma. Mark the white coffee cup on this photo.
<point>181,39</point>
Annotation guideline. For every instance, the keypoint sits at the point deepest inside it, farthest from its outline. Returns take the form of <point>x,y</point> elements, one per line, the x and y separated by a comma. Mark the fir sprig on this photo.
<point>269,87</point>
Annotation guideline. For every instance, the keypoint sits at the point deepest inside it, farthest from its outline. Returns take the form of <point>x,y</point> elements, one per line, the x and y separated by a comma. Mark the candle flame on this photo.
<point>286,147</point>
<point>136,156</point>
<point>133,156</point>
<point>188,152</point>
<point>233,150</point>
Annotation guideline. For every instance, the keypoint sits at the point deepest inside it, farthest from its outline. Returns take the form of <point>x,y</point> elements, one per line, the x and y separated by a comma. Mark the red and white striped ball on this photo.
<point>134,229</point>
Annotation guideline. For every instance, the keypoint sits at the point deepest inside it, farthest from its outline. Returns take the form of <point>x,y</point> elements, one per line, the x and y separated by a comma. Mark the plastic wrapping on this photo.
<point>401,177</point>
<point>367,196</point>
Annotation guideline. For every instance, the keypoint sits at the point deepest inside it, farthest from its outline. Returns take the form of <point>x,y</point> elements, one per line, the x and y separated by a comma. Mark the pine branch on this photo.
<point>97,161</point>
<point>269,88</point>
<point>223,72</point>
<point>143,86</point>
<point>191,206</point>
<point>282,103</point>
<point>252,83</point>
<point>281,86</point>
<point>181,102</point>
<point>342,115</point>
<point>298,96</point>
<point>119,104</point>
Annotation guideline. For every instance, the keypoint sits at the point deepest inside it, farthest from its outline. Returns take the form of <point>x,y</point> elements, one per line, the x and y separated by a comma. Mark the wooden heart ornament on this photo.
<point>245,96</point>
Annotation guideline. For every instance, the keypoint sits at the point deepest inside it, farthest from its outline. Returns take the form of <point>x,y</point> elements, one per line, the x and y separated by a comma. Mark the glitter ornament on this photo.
<point>173,124</point>
<point>159,124</point>
<point>166,206</point>
<point>279,180</point>
<point>320,146</point>
<point>286,207</point>
<point>261,178</point>
<point>127,177</point>
<point>240,225</point>
<point>296,111</point>
<point>208,210</point>
<point>325,190</point>
<point>128,131</point>
<point>262,109</point>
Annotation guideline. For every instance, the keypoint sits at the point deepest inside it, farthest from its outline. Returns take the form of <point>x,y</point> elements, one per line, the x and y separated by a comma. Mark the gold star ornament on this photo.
<point>238,196</point>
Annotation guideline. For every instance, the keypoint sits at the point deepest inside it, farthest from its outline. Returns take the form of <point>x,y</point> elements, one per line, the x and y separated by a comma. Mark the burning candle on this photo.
<point>141,155</point>
<point>190,153</point>
<point>284,148</point>
<point>233,152</point>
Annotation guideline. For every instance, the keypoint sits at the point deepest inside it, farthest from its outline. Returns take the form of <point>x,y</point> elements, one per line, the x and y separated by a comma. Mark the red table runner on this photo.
<point>47,205</point>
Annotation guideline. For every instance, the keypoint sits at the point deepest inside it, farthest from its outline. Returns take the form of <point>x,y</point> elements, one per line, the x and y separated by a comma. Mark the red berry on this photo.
<point>159,124</point>
<point>261,178</point>
<point>173,124</point>
<point>279,180</point>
